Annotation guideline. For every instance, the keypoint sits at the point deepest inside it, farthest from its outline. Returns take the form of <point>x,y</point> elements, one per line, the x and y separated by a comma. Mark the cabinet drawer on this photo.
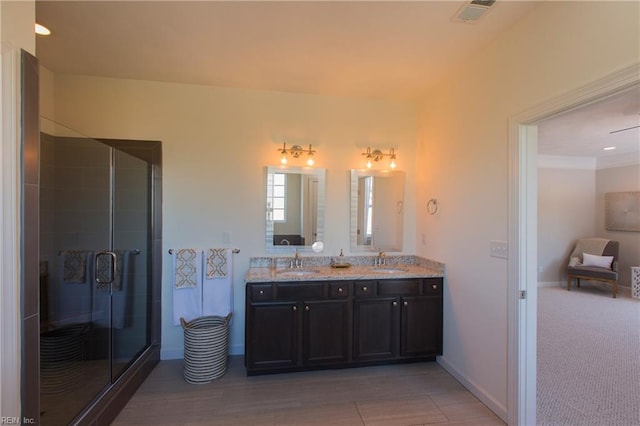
<point>261,292</point>
<point>432,286</point>
<point>399,287</point>
<point>300,290</point>
<point>339,289</point>
<point>364,288</point>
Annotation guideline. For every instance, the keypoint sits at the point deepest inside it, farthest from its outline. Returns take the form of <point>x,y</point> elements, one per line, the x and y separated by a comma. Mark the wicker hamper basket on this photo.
<point>206,346</point>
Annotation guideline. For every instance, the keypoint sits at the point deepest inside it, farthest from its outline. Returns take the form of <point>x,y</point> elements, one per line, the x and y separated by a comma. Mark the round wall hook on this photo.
<point>432,206</point>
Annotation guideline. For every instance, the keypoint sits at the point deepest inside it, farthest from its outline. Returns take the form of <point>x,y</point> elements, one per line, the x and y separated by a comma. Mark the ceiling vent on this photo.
<point>473,11</point>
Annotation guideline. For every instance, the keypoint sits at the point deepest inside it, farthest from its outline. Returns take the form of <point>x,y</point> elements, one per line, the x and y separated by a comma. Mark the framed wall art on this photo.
<point>622,211</point>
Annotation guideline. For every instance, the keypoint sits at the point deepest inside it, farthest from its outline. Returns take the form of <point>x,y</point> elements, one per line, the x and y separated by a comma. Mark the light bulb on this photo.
<point>310,161</point>
<point>283,160</point>
<point>369,164</point>
<point>393,164</point>
<point>41,29</point>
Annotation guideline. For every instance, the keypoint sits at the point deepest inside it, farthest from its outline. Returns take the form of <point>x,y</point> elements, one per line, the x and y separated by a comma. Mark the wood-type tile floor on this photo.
<point>405,394</point>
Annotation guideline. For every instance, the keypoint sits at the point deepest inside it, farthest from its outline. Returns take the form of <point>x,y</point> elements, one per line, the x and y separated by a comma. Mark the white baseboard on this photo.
<point>551,284</point>
<point>499,409</point>
<point>178,353</point>
<point>622,290</point>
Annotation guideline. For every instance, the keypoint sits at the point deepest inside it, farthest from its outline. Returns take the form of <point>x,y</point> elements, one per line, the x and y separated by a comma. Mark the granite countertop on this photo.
<point>362,267</point>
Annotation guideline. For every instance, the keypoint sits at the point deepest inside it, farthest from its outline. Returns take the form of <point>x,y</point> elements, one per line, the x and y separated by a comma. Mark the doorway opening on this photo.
<point>523,262</point>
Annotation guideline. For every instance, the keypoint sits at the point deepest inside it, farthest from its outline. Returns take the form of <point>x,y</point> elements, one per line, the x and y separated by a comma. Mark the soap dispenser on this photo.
<point>339,263</point>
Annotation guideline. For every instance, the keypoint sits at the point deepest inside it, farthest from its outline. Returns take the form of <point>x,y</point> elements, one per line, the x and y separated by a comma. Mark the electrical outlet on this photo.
<point>499,249</point>
<point>226,237</point>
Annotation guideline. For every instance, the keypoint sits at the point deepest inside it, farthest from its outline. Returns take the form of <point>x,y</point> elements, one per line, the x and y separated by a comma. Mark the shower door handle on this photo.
<point>100,278</point>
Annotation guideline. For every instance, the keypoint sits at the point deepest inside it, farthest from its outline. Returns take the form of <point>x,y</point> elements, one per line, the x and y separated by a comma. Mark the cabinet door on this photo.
<point>272,335</point>
<point>421,326</point>
<point>375,328</point>
<point>325,336</point>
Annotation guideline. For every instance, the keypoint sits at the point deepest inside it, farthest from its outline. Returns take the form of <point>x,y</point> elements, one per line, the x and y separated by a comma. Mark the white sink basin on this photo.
<point>386,270</point>
<point>298,272</point>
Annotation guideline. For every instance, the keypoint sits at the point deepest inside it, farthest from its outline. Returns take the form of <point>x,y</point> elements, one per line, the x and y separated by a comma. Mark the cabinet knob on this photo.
<point>339,289</point>
<point>434,286</point>
<point>261,291</point>
<point>306,308</point>
<point>295,308</point>
<point>364,288</point>
<point>395,303</point>
<point>406,303</point>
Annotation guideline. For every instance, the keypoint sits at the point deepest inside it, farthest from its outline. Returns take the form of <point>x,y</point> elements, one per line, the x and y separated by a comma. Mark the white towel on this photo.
<point>217,291</point>
<point>187,299</point>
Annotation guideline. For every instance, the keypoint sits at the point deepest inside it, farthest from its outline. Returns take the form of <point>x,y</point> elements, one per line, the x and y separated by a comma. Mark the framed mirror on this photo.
<point>377,204</point>
<point>295,202</point>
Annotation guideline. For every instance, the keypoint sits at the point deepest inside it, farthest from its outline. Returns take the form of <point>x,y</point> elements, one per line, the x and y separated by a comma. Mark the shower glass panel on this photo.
<point>94,268</point>
<point>130,303</point>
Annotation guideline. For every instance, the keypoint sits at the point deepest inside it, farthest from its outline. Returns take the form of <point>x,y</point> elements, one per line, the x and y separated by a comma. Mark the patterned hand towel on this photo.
<point>217,288</point>
<point>186,268</point>
<point>75,266</point>
<point>217,264</point>
<point>187,287</point>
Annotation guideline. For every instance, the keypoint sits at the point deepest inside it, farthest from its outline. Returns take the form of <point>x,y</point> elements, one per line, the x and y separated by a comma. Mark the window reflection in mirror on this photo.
<point>377,199</point>
<point>295,198</point>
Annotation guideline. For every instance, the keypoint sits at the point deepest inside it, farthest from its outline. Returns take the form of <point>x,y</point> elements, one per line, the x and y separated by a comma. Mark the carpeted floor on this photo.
<point>588,358</point>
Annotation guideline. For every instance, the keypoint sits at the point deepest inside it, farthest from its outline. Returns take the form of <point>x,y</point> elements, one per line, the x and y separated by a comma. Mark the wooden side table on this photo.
<point>635,282</point>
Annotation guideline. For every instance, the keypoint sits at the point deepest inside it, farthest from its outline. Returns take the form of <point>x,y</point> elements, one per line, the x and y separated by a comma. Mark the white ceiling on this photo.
<point>392,50</point>
<point>379,49</point>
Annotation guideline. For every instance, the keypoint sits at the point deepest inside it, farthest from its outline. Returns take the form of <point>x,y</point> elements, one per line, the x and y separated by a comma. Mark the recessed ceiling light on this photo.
<point>609,148</point>
<point>42,30</point>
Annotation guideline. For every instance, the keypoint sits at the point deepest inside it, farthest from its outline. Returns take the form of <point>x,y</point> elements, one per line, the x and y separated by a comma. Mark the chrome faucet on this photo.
<point>381,259</point>
<point>297,261</point>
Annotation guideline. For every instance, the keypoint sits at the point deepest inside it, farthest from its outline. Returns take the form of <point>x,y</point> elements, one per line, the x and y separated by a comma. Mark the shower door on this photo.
<point>94,268</point>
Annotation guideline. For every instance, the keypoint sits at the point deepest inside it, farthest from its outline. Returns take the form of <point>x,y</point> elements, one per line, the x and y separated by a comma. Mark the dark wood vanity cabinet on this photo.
<point>325,332</point>
<point>272,335</point>
<point>375,325</point>
<point>421,326</point>
<point>404,320</point>
<point>307,325</point>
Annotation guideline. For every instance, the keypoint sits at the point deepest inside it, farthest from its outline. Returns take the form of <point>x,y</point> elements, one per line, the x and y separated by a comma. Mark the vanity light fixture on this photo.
<point>296,151</point>
<point>377,155</point>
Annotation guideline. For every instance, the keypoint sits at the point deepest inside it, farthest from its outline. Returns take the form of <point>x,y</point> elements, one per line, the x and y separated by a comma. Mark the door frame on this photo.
<point>522,227</point>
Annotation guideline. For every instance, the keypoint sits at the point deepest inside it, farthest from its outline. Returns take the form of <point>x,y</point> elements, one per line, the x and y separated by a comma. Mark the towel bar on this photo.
<point>134,251</point>
<point>235,250</point>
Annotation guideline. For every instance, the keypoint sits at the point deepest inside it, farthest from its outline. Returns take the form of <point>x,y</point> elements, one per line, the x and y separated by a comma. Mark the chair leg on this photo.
<point>615,289</point>
<point>569,283</point>
<point>578,282</point>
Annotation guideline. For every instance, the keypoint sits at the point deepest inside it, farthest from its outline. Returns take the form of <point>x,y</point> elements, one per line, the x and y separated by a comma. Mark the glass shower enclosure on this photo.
<point>95,267</point>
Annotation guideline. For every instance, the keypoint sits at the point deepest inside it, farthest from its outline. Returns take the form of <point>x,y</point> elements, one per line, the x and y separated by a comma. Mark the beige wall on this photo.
<point>208,134</point>
<point>463,157</point>
<point>571,206</point>
<point>216,143</point>
<point>566,211</point>
<point>619,179</point>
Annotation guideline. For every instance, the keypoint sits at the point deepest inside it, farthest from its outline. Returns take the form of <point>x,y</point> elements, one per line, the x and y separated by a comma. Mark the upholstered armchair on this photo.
<point>594,259</point>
